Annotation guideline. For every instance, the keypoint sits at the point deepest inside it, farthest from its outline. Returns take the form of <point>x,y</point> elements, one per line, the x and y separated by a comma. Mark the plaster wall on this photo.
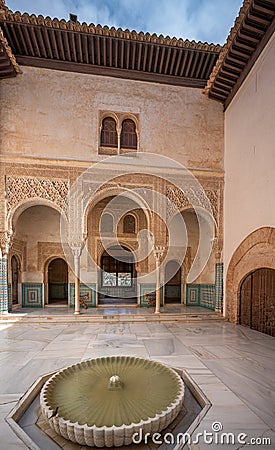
<point>37,224</point>
<point>250,155</point>
<point>55,114</point>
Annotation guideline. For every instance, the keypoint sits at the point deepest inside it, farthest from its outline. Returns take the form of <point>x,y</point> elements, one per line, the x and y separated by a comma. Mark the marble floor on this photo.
<point>233,365</point>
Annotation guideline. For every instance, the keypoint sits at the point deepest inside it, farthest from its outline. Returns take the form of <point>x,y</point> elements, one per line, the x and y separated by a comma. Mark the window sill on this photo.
<point>108,151</point>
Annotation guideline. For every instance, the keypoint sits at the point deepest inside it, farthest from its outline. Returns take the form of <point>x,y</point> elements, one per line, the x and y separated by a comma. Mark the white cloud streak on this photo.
<point>201,20</point>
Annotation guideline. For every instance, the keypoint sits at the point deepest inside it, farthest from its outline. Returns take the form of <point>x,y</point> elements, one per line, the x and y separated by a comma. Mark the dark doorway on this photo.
<point>172,282</point>
<point>15,269</point>
<point>257,301</point>
<point>117,277</point>
<point>58,282</point>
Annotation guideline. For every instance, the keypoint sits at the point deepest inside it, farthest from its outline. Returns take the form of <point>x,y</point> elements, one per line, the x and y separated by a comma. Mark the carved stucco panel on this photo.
<point>178,200</point>
<point>19,189</point>
<point>48,250</point>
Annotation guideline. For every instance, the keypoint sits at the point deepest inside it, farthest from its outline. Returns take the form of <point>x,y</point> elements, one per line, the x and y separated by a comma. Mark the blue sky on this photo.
<point>202,20</point>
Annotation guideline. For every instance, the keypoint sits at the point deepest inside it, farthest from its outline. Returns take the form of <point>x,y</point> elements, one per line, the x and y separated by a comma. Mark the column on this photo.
<point>158,253</point>
<point>5,241</point>
<point>76,253</point>
<point>118,139</point>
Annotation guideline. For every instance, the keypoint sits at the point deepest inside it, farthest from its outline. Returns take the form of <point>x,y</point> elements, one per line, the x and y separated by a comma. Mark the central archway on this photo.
<point>117,277</point>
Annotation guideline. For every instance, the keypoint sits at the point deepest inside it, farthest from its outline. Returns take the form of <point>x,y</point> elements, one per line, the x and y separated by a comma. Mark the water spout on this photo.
<point>115,383</point>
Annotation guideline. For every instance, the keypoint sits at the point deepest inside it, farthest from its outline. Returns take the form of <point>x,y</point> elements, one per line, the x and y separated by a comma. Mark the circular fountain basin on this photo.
<point>104,401</point>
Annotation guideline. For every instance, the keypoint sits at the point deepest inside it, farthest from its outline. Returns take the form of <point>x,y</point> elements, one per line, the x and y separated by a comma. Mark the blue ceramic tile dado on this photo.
<point>200,295</point>
<point>85,289</point>
<point>32,295</point>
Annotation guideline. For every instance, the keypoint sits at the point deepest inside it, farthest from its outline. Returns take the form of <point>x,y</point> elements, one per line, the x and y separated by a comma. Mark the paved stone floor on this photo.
<point>234,367</point>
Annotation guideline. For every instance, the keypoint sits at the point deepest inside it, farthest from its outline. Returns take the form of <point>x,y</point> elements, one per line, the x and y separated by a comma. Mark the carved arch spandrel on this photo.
<point>180,200</point>
<point>21,190</point>
<point>48,250</point>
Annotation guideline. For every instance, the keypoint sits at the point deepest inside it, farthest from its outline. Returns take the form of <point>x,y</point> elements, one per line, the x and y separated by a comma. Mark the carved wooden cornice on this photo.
<point>8,15</point>
<point>39,41</point>
<point>227,45</point>
<point>3,6</point>
<point>252,30</point>
<point>4,47</point>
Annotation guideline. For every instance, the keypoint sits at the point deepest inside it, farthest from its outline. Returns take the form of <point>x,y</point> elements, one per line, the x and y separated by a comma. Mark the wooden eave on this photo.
<point>61,45</point>
<point>8,64</point>
<point>253,28</point>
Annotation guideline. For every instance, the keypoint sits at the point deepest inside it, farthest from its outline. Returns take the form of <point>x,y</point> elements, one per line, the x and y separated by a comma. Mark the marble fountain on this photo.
<point>103,402</point>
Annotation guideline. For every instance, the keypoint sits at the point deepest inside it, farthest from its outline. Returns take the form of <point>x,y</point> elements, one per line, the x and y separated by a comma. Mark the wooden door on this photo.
<point>257,301</point>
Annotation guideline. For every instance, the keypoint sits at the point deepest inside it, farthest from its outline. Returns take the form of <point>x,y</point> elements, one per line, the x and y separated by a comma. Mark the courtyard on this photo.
<point>137,181</point>
<point>233,366</point>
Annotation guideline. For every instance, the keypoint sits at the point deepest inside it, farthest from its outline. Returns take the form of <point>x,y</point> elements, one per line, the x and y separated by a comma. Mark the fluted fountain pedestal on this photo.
<point>104,401</point>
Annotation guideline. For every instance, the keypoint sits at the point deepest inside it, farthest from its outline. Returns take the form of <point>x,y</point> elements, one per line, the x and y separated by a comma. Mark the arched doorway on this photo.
<point>172,282</point>
<point>15,271</point>
<point>257,301</point>
<point>58,282</point>
<point>117,277</point>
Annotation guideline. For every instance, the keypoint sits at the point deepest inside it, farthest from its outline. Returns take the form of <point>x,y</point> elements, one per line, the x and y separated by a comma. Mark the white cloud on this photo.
<point>205,20</point>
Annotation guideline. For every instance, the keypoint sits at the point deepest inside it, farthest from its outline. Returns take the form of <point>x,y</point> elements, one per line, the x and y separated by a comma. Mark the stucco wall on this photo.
<point>36,225</point>
<point>250,155</point>
<point>50,113</point>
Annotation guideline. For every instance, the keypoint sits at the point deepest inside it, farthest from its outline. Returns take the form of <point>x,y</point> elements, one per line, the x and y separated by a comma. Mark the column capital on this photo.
<point>77,247</point>
<point>76,251</point>
<point>158,252</point>
<point>218,248</point>
<point>5,241</point>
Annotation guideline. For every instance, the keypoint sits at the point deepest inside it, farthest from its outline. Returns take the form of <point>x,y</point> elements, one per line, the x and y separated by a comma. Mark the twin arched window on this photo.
<point>109,134</point>
<point>107,224</point>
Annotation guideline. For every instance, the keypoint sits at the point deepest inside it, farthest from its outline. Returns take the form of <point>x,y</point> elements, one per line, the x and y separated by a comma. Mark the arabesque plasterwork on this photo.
<point>19,189</point>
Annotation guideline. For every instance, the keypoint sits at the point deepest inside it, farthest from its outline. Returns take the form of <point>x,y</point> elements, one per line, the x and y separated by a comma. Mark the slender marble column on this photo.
<point>158,253</point>
<point>77,253</point>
